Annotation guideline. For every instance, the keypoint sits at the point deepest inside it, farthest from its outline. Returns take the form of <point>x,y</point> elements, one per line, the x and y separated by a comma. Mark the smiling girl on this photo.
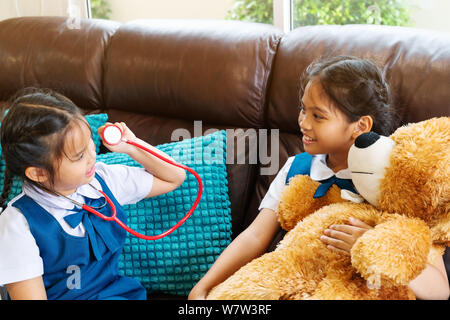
<point>340,99</point>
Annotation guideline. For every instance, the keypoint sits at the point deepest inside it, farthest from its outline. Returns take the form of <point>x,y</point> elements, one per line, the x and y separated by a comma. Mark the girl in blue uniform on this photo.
<point>49,248</point>
<point>340,98</point>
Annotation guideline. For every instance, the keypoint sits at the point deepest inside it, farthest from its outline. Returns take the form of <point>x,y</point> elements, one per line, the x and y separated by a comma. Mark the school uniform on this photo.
<point>316,167</point>
<point>76,252</point>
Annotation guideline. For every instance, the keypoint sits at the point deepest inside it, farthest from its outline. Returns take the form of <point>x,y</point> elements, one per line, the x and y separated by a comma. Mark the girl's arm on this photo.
<point>432,283</point>
<point>32,289</point>
<point>166,177</point>
<point>248,245</point>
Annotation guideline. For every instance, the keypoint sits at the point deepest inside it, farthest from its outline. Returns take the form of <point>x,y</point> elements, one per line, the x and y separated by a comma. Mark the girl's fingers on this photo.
<point>344,228</point>
<point>127,133</point>
<point>336,243</point>
<point>352,232</point>
<point>358,223</point>
<point>100,129</point>
<point>342,237</point>
<point>120,125</point>
<point>339,235</point>
<point>355,229</point>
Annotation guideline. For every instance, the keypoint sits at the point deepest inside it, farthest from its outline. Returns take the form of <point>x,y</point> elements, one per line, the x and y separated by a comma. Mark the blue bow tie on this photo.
<point>99,236</point>
<point>326,184</point>
<point>75,219</point>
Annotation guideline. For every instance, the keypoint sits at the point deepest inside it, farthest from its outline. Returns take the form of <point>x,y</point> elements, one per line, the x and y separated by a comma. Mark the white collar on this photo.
<point>49,200</point>
<point>320,170</point>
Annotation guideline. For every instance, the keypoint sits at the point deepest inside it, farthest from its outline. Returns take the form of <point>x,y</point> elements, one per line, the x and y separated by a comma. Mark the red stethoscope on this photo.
<point>113,135</point>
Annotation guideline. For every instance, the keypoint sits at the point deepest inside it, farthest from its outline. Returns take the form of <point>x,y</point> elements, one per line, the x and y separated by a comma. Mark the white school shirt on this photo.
<point>19,253</point>
<point>319,171</point>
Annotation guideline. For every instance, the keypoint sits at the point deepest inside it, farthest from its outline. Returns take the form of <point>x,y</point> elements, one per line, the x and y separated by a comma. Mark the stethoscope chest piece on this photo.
<point>112,134</point>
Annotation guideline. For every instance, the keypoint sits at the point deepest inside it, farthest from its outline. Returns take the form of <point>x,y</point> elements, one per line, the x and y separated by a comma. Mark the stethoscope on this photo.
<point>113,135</point>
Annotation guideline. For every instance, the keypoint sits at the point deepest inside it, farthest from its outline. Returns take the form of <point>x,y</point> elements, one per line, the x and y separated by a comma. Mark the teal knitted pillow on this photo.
<point>175,263</point>
<point>95,121</point>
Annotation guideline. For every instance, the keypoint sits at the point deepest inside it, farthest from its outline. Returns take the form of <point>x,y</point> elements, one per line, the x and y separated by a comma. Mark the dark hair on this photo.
<point>33,133</point>
<point>357,87</point>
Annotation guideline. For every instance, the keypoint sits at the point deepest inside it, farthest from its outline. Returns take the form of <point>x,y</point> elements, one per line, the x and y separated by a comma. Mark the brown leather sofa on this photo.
<point>160,75</point>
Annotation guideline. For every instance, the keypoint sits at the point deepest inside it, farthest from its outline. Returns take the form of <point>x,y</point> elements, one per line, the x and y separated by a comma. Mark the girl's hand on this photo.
<point>342,237</point>
<point>197,294</point>
<point>122,147</point>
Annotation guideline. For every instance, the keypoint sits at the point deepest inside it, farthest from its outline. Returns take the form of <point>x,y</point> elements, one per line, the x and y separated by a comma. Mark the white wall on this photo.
<point>126,10</point>
<point>431,14</point>
<point>14,8</point>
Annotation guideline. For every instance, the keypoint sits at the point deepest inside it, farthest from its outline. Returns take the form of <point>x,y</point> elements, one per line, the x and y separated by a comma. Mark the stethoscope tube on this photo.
<point>114,218</point>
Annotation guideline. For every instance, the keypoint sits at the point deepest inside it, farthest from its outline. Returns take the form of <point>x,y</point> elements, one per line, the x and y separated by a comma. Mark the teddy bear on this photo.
<point>403,180</point>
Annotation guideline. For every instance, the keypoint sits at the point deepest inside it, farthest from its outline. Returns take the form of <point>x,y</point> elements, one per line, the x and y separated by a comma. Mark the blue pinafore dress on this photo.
<point>302,165</point>
<point>86,267</point>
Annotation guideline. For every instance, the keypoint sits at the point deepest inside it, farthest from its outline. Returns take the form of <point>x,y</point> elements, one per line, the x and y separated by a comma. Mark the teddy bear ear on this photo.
<point>366,139</point>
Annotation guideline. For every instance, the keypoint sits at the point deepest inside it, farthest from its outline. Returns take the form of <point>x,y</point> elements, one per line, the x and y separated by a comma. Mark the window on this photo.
<point>291,14</point>
<point>340,12</point>
<point>20,8</point>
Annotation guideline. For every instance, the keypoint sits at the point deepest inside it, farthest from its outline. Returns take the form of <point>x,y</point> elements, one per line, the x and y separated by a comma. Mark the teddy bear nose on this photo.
<point>366,139</point>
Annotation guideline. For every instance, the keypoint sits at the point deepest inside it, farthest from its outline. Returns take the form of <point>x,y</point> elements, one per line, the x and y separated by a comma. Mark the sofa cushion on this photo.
<point>51,52</point>
<point>176,262</point>
<point>210,70</point>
